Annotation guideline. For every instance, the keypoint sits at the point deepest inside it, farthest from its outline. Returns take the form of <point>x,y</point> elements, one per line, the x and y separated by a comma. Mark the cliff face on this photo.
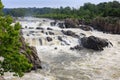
<point>32,56</point>
<point>110,25</point>
<point>105,24</point>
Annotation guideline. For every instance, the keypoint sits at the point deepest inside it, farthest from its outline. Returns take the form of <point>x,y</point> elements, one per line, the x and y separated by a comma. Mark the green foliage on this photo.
<point>10,48</point>
<point>1,7</point>
<point>87,12</point>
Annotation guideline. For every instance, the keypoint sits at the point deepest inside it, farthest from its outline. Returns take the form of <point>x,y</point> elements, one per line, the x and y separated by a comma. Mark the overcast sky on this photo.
<point>48,3</point>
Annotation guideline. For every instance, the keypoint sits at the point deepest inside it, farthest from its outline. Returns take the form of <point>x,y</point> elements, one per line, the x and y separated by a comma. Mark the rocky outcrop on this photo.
<point>71,23</point>
<point>85,27</point>
<point>32,56</point>
<point>70,33</point>
<point>94,43</point>
<point>109,25</point>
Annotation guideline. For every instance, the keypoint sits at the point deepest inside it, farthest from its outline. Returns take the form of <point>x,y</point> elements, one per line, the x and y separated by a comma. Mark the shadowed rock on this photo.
<point>53,23</point>
<point>32,56</point>
<point>49,39</point>
<point>39,28</point>
<point>51,33</point>
<point>49,28</point>
<point>85,28</point>
<point>77,47</point>
<point>70,33</point>
<point>94,43</point>
<point>61,25</point>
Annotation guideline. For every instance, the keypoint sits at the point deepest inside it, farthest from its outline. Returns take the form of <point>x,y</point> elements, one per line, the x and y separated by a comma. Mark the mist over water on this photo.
<point>61,63</point>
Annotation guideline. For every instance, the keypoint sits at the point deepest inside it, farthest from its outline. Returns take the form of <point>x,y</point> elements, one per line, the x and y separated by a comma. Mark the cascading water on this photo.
<point>61,63</point>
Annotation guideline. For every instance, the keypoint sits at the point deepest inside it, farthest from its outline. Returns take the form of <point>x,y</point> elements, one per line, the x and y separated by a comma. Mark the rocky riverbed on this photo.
<point>61,60</point>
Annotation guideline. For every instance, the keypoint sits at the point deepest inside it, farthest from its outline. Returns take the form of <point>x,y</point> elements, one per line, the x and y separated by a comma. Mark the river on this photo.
<point>61,63</point>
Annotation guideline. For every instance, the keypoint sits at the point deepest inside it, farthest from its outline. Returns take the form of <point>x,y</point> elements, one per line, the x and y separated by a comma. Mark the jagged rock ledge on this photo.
<point>32,56</point>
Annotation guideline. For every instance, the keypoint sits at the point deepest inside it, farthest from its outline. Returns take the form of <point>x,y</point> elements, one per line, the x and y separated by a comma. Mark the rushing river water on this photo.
<point>61,63</point>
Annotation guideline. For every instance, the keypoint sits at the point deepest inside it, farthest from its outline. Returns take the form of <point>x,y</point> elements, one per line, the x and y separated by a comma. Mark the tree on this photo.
<point>10,46</point>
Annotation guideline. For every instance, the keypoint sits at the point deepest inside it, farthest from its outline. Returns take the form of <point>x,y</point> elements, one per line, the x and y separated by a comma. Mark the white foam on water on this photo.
<point>61,63</point>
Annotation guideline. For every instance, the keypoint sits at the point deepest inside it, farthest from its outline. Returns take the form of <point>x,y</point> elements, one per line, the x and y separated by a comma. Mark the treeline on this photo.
<point>104,16</point>
<point>88,11</point>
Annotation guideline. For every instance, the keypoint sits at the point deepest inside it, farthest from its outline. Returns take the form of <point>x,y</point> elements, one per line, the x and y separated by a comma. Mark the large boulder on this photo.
<point>94,43</point>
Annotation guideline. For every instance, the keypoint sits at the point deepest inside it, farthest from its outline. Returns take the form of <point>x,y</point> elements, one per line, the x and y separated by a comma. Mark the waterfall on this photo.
<point>65,64</point>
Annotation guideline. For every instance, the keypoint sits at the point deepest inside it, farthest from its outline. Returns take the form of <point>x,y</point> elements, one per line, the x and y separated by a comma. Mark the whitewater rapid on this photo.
<point>61,63</point>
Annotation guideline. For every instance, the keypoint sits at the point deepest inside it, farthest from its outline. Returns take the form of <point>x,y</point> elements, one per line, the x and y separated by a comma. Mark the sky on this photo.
<point>48,3</point>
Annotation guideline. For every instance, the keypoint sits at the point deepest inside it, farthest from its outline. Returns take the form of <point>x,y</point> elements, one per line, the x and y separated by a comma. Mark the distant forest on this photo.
<point>88,11</point>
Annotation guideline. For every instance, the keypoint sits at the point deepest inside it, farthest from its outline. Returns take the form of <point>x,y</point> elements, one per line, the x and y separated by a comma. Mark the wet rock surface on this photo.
<point>49,39</point>
<point>94,43</point>
<point>85,27</point>
<point>77,47</point>
<point>69,33</point>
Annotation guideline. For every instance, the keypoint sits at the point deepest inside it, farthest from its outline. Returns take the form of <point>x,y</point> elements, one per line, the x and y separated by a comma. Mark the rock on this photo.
<point>85,28</point>
<point>51,33</point>
<point>31,27</point>
<point>28,35</point>
<point>77,47</point>
<point>40,40</point>
<point>108,24</point>
<point>64,42</point>
<point>32,57</point>
<point>82,35</point>
<point>94,43</point>
<point>49,39</point>
<point>1,78</point>
<point>49,28</point>
<point>25,26</point>
<point>42,31</point>
<point>70,33</point>
<point>39,28</point>
<point>61,25</point>
<point>55,48</point>
<point>46,33</point>
<point>44,20</point>
<point>71,23</point>
<point>53,23</point>
<point>60,38</point>
<point>31,32</point>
